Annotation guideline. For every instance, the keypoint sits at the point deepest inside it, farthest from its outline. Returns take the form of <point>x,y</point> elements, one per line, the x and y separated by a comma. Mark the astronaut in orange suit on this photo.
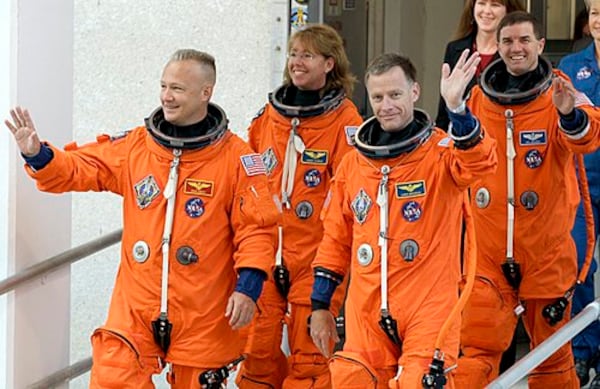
<point>198,236</point>
<point>527,262</point>
<point>302,134</point>
<point>393,226</point>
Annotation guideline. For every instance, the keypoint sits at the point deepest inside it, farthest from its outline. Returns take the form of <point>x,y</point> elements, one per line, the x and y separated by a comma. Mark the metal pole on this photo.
<point>548,347</point>
<point>65,258</point>
<point>64,375</point>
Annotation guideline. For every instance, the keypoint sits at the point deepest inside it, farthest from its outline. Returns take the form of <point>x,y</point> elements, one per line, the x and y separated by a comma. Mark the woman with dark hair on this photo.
<point>477,32</point>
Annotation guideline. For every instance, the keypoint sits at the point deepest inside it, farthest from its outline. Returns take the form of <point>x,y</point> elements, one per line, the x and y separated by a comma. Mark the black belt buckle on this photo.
<point>281,275</point>
<point>161,329</point>
<point>390,327</point>
<point>512,273</point>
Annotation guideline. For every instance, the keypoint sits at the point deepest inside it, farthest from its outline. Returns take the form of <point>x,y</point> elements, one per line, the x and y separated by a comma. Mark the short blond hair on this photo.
<point>206,60</point>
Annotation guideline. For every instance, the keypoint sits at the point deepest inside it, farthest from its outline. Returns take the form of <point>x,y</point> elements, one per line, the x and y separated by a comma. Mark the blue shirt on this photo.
<point>582,69</point>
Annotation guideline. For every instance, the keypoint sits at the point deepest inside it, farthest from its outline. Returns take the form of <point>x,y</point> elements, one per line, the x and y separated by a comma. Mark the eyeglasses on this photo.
<point>305,56</point>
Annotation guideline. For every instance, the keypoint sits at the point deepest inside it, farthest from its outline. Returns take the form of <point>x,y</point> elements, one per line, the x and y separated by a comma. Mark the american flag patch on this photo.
<point>253,164</point>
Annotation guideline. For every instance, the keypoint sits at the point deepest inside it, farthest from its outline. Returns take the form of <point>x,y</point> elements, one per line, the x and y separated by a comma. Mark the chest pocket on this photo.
<point>258,206</point>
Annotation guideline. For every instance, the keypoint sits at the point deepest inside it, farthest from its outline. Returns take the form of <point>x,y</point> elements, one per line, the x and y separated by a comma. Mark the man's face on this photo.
<point>519,48</point>
<point>308,70</point>
<point>184,92</point>
<point>392,98</point>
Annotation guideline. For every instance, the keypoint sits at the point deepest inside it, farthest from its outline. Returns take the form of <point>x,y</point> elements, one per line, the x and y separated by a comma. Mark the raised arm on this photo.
<point>453,84</point>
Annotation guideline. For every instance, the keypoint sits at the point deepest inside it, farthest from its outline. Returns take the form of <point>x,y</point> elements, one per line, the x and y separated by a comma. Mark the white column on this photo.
<point>39,225</point>
<point>5,19</point>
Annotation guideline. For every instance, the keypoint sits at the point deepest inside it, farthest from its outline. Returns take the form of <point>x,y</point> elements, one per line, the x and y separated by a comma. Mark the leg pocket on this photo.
<point>351,371</point>
<point>116,362</point>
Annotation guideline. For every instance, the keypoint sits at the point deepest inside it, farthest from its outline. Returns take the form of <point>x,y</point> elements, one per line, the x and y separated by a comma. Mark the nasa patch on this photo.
<point>411,211</point>
<point>533,159</point>
<point>194,207</point>
<point>312,178</point>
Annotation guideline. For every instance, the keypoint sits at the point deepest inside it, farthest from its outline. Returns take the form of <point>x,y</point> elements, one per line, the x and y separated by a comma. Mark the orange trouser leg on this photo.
<point>116,364</point>
<point>350,370</point>
<point>307,367</point>
<point>265,365</point>
<point>487,328</point>
<point>558,371</point>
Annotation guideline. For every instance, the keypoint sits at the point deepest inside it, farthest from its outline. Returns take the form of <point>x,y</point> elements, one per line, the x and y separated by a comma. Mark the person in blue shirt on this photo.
<point>582,68</point>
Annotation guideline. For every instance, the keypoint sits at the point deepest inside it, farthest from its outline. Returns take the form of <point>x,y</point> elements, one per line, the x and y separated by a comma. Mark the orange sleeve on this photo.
<point>467,166</point>
<point>94,167</point>
<point>254,219</point>
<point>334,252</point>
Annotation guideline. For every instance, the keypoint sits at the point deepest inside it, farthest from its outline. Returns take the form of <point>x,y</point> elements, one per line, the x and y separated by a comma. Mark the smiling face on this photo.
<point>308,69</point>
<point>487,14</point>
<point>594,20</point>
<point>185,92</point>
<point>392,97</point>
<point>519,48</point>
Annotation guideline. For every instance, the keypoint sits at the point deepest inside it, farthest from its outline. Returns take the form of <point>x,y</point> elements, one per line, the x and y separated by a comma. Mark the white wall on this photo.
<point>39,77</point>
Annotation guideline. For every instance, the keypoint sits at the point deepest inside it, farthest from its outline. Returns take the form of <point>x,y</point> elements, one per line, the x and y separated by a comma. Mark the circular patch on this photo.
<point>304,210</point>
<point>312,178</point>
<point>364,254</point>
<point>409,250</point>
<point>533,159</point>
<point>141,251</point>
<point>482,198</point>
<point>529,200</point>
<point>194,207</point>
<point>411,211</point>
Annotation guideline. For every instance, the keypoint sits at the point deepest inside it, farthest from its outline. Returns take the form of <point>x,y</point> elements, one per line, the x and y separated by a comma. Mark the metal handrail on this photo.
<point>66,258</point>
<point>548,347</point>
<point>61,376</point>
<point>48,265</point>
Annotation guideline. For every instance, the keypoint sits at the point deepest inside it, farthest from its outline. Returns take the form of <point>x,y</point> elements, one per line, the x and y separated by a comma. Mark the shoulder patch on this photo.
<point>350,132</point>
<point>253,164</point>
<point>445,142</point>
